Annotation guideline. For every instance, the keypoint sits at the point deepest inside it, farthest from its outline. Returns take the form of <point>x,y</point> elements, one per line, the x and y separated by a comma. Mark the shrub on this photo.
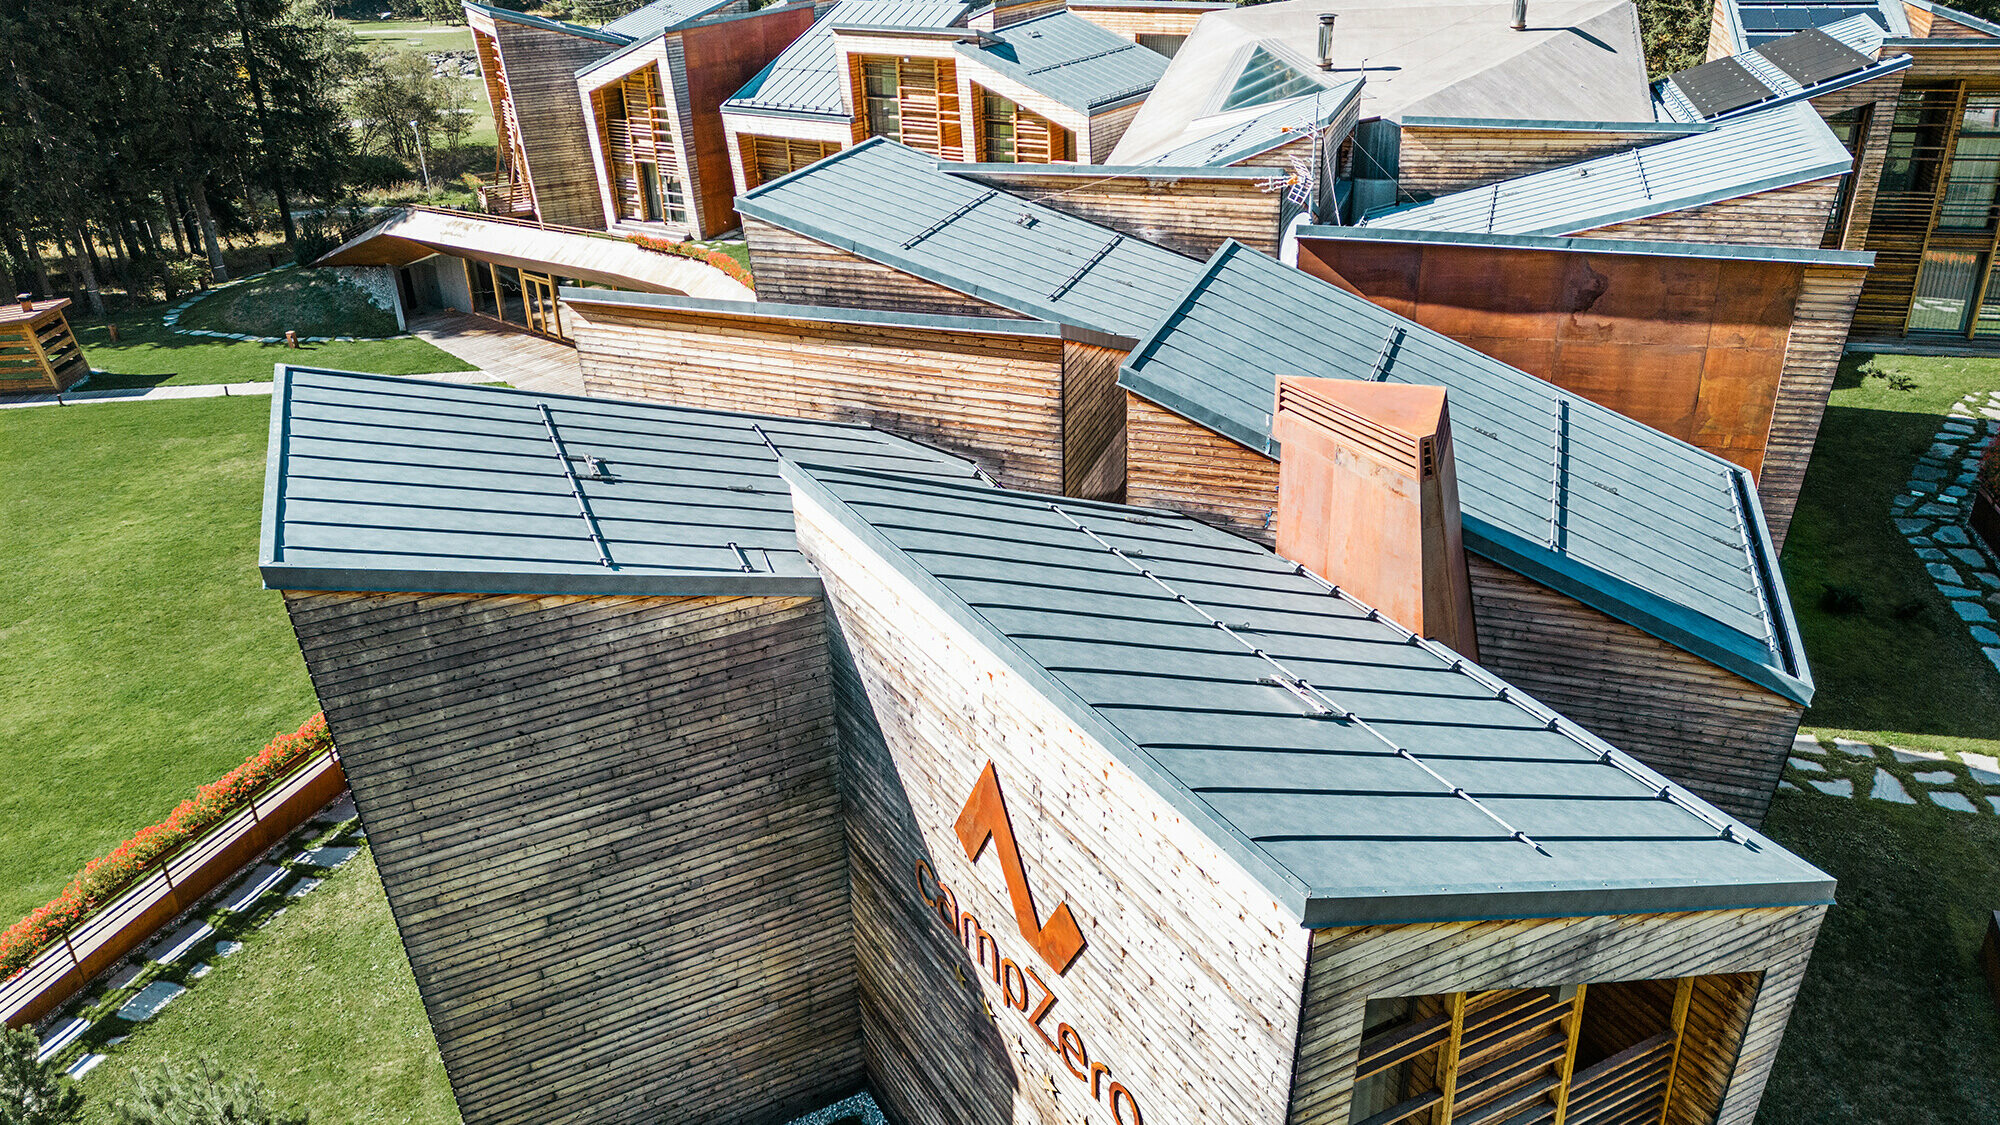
<point>104,877</point>
<point>33,1093</point>
<point>200,1094</point>
<point>715,258</point>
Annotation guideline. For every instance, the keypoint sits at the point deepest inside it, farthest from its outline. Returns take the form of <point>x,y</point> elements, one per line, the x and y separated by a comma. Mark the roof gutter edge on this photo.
<point>1325,909</point>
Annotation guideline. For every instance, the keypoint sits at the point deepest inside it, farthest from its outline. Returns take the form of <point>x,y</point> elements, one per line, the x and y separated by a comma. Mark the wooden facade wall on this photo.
<point>1437,159</point>
<point>1173,463</point>
<point>1876,99</point>
<point>1093,422</point>
<point>1793,216</point>
<point>1720,735</point>
<point>1820,323</point>
<point>540,68</point>
<point>1131,23</point>
<point>610,830</point>
<point>1349,966</point>
<point>1191,215</point>
<point>995,398</point>
<point>1107,129</point>
<point>38,352</point>
<point>1190,1036</point>
<point>797,270</point>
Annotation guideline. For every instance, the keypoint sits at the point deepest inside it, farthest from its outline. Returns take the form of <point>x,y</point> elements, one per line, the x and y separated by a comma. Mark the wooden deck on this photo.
<point>510,355</point>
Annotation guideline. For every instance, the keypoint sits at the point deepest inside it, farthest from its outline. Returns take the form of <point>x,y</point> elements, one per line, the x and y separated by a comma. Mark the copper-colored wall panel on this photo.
<point>1693,346</point>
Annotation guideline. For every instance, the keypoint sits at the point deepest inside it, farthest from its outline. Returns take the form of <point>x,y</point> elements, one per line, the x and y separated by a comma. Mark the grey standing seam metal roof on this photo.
<point>1320,808</point>
<point>1751,23</point>
<point>805,77</point>
<point>1771,149</point>
<point>545,24</point>
<point>1808,255</point>
<point>381,483</point>
<point>1637,524</point>
<point>659,16</point>
<point>890,203</point>
<point>833,314</point>
<point>1860,34</point>
<point>1070,61</point>
<point>1263,130</point>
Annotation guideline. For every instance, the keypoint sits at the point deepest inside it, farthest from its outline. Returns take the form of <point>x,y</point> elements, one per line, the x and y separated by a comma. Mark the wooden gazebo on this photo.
<point>37,350</point>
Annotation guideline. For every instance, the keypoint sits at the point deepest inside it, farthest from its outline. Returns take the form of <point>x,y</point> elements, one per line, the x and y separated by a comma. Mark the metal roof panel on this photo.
<point>1069,60</point>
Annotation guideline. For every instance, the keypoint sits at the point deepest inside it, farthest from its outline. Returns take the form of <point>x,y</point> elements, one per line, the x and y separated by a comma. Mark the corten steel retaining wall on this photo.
<point>130,920</point>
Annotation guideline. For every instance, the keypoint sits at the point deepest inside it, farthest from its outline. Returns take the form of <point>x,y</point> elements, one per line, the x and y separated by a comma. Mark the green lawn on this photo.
<point>1894,1023</point>
<point>319,1005</point>
<point>149,354</point>
<point>309,302</point>
<point>143,660</point>
<point>1902,668</point>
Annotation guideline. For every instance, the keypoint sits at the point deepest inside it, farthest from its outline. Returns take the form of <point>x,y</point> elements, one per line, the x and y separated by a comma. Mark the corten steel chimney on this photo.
<point>1326,39</point>
<point>1368,500</point>
<point>1520,15</point>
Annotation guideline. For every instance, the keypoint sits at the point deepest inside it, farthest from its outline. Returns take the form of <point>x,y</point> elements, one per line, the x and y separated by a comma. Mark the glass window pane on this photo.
<point>1266,78</point>
<point>1945,290</point>
<point>1969,193</point>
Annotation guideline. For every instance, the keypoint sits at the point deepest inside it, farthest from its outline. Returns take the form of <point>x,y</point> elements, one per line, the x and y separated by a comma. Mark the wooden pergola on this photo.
<point>37,350</point>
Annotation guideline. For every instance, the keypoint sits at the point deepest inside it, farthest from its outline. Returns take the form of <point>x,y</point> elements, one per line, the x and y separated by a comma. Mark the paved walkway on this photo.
<point>87,396</point>
<point>509,355</point>
<point>1843,767</point>
<point>1932,511</point>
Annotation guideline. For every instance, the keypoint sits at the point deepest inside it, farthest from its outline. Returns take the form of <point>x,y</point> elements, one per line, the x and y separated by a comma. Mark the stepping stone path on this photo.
<point>1932,511</point>
<point>84,1065</point>
<point>1845,768</point>
<point>150,1000</point>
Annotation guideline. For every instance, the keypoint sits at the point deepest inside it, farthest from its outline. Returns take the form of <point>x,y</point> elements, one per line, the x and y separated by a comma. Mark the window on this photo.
<point>1917,141</point>
<point>885,111</point>
<point>1267,78</point>
<point>1946,286</point>
<point>999,116</point>
<point>641,153</point>
<point>1852,129</point>
<point>1969,191</point>
<point>1168,45</point>
<point>771,158</point>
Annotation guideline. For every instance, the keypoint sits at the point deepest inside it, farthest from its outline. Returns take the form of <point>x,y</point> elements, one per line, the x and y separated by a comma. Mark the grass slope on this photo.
<point>320,1005</point>
<point>142,657</point>
<point>148,354</point>
<point>1894,1023</point>
<point>1902,669</point>
<point>309,302</point>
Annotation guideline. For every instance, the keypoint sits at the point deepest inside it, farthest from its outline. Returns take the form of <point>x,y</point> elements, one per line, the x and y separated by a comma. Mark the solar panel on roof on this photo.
<point>1813,56</point>
<point>1720,86</point>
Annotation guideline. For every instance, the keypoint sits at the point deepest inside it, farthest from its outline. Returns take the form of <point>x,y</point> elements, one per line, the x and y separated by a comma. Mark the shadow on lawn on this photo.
<point>1886,650</point>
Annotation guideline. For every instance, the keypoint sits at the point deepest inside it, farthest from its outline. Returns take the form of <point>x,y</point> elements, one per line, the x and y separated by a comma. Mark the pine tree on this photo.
<point>199,1094</point>
<point>33,1093</point>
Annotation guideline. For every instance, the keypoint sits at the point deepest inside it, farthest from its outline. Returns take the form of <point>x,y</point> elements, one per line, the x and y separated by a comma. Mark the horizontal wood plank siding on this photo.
<point>1793,216</point>
<point>1173,463</point>
<point>1106,129</point>
<point>1349,966</point>
<point>1720,735</point>
<point>1878,98</point>
<point>1196,1036</point>
<point>996,399</point>
<point>797,270</point>
<point>1131,23</point>
<point>1093,422</point>
<point>610,832</point>
<point>1437,159</point>
<point>1812,357</point>
<point>1191,216</point>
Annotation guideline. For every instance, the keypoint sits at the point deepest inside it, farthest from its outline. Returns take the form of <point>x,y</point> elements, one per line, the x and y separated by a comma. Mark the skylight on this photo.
<point>1267,78</point>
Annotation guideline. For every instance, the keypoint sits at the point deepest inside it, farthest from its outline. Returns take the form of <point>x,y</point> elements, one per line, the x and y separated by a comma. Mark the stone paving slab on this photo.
<point>1931,515</point>
<point>266,876</point>
<point>1951,799</point>
<point>149,1000</point>
<point>177,944</point>
<point>1888,788</point>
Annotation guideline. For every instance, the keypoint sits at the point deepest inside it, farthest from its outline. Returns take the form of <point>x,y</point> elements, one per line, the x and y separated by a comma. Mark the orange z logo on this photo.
<point>985,818</point>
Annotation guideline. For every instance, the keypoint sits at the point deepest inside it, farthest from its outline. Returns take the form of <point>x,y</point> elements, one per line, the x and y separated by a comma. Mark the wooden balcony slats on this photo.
<point>1400,1044</point>
<point>1625,1087</point>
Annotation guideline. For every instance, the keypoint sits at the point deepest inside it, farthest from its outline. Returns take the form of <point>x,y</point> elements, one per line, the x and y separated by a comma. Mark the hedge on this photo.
<point>715,258</point>
<point>103,878</point>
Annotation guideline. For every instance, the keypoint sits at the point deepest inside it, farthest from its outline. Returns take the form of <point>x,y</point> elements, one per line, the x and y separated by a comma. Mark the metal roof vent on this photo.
<point>1520,15</point>
<point>1326,39</point>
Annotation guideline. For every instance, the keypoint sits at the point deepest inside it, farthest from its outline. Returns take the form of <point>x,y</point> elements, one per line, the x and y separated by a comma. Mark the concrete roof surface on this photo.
<point>1315,788</point>
<point>382,483</point>
<point>1579,60</point>
<point>1637,524</point>
<point>805,77</point>
<point>1069,60</point>
<point>890,203</point>
<point>1773,148</point>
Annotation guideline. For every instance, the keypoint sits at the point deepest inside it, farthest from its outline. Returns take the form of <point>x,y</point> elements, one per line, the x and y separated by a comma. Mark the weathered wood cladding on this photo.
<point>610,831</point>
<point>923,706</point>
<point>542,102</point>
<point>1093,422</point>
<point>1875,100</point>
<point>1107,129</point>
<point>1824,310</point>
<point>1736,356</point>
<point>1791,216</point>
<point>1708,729</point>
<point>996,398</point>
<point>1173,463</point>
<point>1190,214</point>
<point>1720,735</point>
<point>1132,21</point>
<point>797,270</point>
<point>1724,1071</point>
<point>1438,159</point>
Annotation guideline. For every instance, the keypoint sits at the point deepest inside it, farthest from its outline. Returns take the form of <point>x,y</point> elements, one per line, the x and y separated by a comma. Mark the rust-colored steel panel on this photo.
<point>1692,345</point>
<point>721,57</point>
